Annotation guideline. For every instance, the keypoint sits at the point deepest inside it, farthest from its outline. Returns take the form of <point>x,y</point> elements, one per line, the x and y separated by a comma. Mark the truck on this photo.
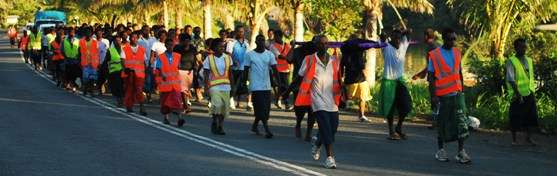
<point>49,18</point>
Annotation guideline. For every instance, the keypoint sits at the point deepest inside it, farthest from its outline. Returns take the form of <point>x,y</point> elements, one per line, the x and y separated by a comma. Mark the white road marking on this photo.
<point>268,161</point>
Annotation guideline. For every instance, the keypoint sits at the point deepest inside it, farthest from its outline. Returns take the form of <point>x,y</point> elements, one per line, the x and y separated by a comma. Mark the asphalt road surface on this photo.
<point>45,130</point>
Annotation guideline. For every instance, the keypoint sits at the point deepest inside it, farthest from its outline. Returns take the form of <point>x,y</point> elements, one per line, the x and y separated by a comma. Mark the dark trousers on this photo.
<point>103,74</point>
<point>261,107</point>
<point>240,85</point>
<point>116,84</point>
<point>73,70</point>
<point>328,124</point>
<point>523,114</point>
<point>283,85</point>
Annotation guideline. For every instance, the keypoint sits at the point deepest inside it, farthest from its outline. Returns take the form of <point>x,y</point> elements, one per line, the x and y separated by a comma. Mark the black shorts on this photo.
<point>261,104</point>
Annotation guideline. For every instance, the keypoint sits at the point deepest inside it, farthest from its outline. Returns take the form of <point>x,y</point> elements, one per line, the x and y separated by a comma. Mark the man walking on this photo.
<point>258,63</point>
<point>321,88</point>
<point>280,49</point>
<point>353,68</point>
<point>35,47</point>
<point>217,74</point>
<point>89,52</point>
<point>134,74</point>
<point>445,73</point>
<point>394,92</point>
<point>237,49</point>
<point>71,60</point>
<point>169,83</point>
<point>115,67</point>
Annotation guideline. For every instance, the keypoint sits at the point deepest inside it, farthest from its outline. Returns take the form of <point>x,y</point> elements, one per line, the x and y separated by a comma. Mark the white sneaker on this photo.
<point>188,103</point>
<point>250,106</point>
<point>363,119</point>
<point>315,150</point>
<point>280,105</point>
<point>232,104</point>
<point>330,163</point>
<point>441,155</point>
<point>463,157</point>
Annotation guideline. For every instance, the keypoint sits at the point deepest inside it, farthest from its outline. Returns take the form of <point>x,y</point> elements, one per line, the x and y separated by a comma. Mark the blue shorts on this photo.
<point>89,74</point>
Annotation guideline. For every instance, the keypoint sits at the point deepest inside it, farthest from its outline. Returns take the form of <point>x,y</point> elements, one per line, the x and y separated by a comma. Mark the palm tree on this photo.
<point>496,18</point>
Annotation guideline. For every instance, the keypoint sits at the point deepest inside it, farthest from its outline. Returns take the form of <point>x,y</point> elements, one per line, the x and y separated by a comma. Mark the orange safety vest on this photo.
<point>219,79</point>
<point>282,65</point>
<point>170,72</point>
<point>134,61</point>
<point>12,33</point>
<point>57,49</point>
<point>304,94</point>
<point>447,81</point>
<point>24,41</point>
<point>89,55</point>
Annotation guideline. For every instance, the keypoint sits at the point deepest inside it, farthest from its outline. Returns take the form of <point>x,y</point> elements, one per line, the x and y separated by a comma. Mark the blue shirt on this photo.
<point>158,64</point>
<point>448,57</point>
<point>238,51</point>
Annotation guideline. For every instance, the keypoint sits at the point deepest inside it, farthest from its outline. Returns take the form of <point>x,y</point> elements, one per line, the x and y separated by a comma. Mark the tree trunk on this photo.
<point>207,19</point>
<point>299,24</point>
<point>179,17</point>
<point>165,13</point>
<point>372,15</point>
<point>229,22</point>
<point>254,23</point>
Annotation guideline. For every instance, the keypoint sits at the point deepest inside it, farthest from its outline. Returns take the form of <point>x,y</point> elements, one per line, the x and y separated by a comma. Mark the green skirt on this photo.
<point>387,94</point>
<point>452,121</point>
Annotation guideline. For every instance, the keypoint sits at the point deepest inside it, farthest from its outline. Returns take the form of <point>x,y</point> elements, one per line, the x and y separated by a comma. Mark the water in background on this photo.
<point>415,60</point>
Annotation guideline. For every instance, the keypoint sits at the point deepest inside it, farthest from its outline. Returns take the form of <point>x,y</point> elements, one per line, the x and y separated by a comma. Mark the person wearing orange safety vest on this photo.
<point>217,69</point>
<point>89,53</point>
<point>169,83</point>
<point>23,42</point>
<point>446,81</point>
<point>321,88</point>
<point>12,34</point>
<point>521,86</point>
<point>58,58</point>
<point>280,49</point>
<point>133,57</point>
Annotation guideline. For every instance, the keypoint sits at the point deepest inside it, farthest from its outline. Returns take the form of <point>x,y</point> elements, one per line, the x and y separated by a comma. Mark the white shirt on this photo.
<point>394,59</point>
<point>322,98</point>
<point>158,47</point>
<point>260,65</point>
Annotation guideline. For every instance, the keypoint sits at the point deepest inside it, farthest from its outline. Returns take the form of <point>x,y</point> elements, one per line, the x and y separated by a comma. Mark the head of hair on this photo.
<point>183,37</point>
<point>278,33</point>
<point>238,27</point>
<point>215,43</point>
<point>447,32</point>
<point>519,41</point>
<point>161,32</point>
<point>429,33</point>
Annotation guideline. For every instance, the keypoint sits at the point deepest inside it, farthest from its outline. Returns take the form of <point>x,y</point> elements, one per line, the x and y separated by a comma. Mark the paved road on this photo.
<point>47,131</point>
